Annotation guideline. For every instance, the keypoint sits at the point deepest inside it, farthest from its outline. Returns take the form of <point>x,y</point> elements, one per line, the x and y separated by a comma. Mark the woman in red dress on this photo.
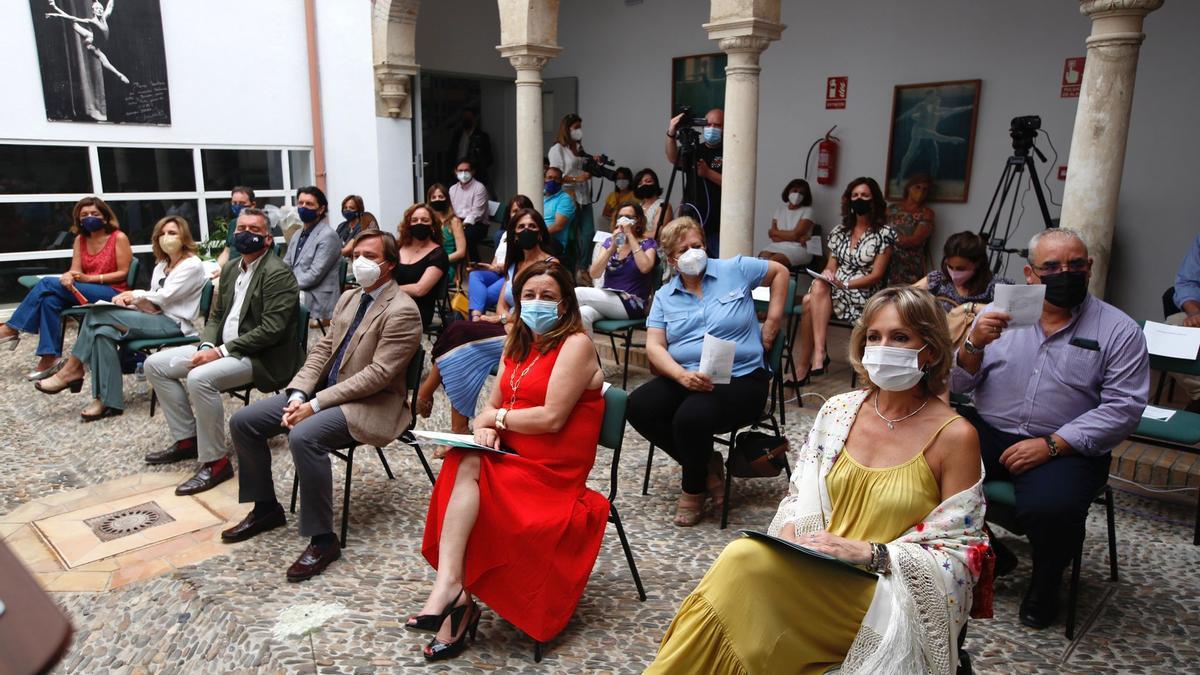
<point>521,532</point>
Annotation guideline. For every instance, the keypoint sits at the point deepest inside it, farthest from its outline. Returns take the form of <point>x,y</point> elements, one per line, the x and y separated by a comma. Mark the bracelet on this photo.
<point>670,135</point>
<point>500,415</point>
<point>880,559</point>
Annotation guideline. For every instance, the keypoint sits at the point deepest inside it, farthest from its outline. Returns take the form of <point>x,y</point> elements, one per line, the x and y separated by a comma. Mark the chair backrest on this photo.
<point>1168,302</point>
<point>1167,364</point>
<point>612,431</point>
<point>134,266</point>
<point>206,293</point>
<point>302,327</point>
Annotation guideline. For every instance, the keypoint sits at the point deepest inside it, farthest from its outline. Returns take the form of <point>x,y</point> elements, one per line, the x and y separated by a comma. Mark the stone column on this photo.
<point>743,39</point>
<point>1102,125</point>
<point>528,60</point>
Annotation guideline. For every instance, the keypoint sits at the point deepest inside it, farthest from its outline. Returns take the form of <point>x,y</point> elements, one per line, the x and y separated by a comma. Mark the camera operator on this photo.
<point>704,194</point>
<point>567,155</point>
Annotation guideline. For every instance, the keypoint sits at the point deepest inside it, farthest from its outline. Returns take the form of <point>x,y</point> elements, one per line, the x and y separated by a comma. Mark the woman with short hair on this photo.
<point>791,226</point>
<point>167,310</point>
<point>100,259</point>
<point>486,280</point>
<point>626,262</point>
<point>889,479</point>
<point>648,191</point>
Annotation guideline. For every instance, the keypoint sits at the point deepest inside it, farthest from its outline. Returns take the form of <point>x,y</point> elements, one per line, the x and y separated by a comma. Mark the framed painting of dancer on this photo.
<point>933,132</point>
<point>102,60</point>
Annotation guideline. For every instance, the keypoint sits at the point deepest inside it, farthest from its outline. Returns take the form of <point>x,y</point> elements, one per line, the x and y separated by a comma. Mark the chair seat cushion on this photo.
<point>1000,492</point>
<point>161,343</point>
<point>1183,427</point>
<point>615,325</point>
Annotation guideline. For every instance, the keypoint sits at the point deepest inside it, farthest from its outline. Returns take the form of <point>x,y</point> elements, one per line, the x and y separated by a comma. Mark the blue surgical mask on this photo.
<point>552,187</point>
<point>712,135</point>
<point>307,215</point>
<point>540,315</point>
<point>236,210</point>
<point>349,215</point>
<point>91,223</point>
<point>247,242</point>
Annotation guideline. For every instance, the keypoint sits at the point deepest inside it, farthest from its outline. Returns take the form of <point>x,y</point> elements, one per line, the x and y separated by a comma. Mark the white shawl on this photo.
<point>918,610</point>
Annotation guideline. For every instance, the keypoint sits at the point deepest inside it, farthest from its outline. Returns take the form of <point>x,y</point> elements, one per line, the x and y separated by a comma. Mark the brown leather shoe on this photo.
<point>251,526</point>
<point>173,453</point>
<point>205,479</point>
<point>313,561</point>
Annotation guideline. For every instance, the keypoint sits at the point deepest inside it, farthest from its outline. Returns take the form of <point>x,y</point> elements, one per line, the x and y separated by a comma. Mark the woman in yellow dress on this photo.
<point>889,479</point>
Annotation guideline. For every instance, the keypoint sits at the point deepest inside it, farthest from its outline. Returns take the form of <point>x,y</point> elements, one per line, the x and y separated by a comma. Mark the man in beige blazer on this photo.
<point>351,389</point>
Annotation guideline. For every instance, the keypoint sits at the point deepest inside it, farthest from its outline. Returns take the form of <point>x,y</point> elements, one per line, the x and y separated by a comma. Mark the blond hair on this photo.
<point>673,232</point>
<point>185,237</point>
<point>919,313</point>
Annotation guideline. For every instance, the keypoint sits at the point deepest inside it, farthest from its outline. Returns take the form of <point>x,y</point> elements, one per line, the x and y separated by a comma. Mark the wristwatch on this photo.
<point>500,415</point>
<point>970,347</point>
<point>1052,444</point>
<point>503,319</point>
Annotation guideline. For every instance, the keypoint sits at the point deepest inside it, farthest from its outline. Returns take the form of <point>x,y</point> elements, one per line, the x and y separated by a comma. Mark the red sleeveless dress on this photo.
<point>104,262</point>
<point>539,528</point>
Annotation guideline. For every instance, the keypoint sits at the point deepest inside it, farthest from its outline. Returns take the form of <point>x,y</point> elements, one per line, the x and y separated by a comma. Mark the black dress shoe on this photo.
<point>313,561</point>
<point>174,453</point>
<point>251,526</point>
<point>1040,606</point>
<point>205,479</point>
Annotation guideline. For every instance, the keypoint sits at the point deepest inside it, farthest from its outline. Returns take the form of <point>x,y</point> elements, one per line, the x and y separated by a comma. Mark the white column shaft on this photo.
<point>529,133</point>
<point>740,171</point>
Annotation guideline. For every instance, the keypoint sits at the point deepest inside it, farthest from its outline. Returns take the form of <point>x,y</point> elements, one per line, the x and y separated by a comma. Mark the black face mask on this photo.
<point>440,205</point>
<point>527,239</point>
<point>1066,289</point>
<point>860,207</point>
<point>646,191</point>
<point>420,231</point>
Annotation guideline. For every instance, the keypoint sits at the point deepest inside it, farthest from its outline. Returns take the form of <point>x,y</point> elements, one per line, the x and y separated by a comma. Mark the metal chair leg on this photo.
<point>1112,533</point>
<point>650,462</point>
<point>625,375</point>
<point>424,462</point>
<point>612,339</point>
<point>153,401</point>
<point>295,489</point>
<point>346,494</point>
<point>728,490</point>
<point>615,518</point>
<point>386,467</point>
<point>537,652</point>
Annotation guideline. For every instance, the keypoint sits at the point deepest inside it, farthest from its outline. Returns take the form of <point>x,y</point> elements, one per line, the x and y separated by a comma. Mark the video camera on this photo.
<point>1023,130</point>
<point>688,138</point>
<point>600,168</point>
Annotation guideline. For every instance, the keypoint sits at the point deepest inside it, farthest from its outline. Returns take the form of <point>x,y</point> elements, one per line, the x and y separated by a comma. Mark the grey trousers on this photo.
<point>191,398</point>
<point>310,442</point>
<point>103,327</point>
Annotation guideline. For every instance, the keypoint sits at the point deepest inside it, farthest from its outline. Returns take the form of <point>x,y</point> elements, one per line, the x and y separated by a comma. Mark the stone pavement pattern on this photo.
<point>217,615</point>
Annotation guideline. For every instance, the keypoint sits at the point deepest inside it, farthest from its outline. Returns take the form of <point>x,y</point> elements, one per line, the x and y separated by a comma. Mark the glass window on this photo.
<point>11,291</point>
<point>258,169</point>
<point>300,162</point>
<point>41,169</point>
<point>219,216</point>
<point>138,217</point>
<point>42,226</point>
<point>147,170</point>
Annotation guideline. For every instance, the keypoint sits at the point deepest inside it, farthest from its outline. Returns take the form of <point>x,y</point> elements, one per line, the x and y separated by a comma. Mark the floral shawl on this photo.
<point>918,610</point>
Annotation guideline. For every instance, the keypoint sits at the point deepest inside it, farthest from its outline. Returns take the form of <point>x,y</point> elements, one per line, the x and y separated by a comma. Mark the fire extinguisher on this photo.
<point>827,151</point>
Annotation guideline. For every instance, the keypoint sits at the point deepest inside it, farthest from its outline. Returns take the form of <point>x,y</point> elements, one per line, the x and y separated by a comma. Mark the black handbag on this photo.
<point>758,455</point>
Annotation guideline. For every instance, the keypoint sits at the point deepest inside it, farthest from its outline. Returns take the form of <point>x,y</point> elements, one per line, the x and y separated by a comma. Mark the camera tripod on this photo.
<point>1014,172</point>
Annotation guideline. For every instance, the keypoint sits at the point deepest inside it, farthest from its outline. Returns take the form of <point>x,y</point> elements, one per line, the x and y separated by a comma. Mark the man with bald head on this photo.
<point>1051,401</point>
<point>704,193</point>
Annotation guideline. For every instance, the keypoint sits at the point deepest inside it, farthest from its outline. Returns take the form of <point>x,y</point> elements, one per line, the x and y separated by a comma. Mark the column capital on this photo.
<point>393,87</point>
<point>529,56</point>
<point>744,34</point>
<point>1098,8</point>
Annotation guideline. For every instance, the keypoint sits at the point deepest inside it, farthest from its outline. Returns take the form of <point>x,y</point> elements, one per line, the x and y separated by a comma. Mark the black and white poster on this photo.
<point>102,60</point>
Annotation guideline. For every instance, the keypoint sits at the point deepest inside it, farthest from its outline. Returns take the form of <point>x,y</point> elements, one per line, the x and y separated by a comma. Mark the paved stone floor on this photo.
<point>220,614</point>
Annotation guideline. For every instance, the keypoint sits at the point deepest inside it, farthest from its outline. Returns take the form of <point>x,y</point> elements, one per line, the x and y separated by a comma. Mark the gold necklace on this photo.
<point>512,399</point>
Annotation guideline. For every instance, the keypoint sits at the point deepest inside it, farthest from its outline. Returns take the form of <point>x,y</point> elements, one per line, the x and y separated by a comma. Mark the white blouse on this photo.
<point>177,294</point>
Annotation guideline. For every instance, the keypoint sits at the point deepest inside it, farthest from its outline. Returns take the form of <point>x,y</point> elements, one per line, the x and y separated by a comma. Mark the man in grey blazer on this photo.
<point>314,253</point>
<point>351,389</point>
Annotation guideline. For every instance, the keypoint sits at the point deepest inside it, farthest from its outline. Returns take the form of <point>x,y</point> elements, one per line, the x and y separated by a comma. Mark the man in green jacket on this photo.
<point>250,338</point>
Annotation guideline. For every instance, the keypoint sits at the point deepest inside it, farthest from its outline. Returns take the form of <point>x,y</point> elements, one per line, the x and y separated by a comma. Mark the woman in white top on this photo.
<point>167,310</point>
<point>567,155</point>
<point>648,192</point>
<point>791,227</point>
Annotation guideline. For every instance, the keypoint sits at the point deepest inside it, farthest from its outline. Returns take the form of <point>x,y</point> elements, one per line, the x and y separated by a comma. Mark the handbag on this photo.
<point>961,318</point>
<point>758,455</point>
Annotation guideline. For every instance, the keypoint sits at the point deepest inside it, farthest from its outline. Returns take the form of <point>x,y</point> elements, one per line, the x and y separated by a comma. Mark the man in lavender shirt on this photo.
<point>1051,402</point>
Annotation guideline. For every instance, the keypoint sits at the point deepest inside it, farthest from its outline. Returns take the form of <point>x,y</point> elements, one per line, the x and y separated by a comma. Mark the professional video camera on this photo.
<point>688,138</point>
<point>1023,131</point>
<point>600,168</point>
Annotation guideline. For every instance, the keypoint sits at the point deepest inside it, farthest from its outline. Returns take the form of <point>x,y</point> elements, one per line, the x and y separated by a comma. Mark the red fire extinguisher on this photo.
<point>827,150</point>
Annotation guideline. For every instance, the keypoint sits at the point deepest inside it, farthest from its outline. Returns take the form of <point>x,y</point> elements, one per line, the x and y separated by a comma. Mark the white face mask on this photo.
<point>892,368</point>
<point>794,198</point>
<point>625,220</point>
<point>693,262</point>
<point>577,134</point>
<point>622,184</point>
<point>365,271</point>
<point>464,176</point>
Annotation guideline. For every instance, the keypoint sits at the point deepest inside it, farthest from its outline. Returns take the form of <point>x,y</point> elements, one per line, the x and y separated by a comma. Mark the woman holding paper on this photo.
<point>860,251</point>
<point>167,310</point>
<point>522,532</point>
<point>889,479</point>
<point>681,408</point>
<point>99,267</point>
<point>626,263</point>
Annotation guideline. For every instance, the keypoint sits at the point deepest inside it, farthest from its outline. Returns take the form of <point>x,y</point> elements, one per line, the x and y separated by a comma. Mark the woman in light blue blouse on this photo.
<point>681,408</point>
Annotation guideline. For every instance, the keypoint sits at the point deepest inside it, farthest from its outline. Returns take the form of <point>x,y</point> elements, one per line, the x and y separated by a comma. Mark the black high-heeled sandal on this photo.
<point>437,650</point>
<point>817,372</point>
<point>432,623</point>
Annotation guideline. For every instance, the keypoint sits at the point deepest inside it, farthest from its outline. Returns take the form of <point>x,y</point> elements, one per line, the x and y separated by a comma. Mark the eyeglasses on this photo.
<point>1055,267</point>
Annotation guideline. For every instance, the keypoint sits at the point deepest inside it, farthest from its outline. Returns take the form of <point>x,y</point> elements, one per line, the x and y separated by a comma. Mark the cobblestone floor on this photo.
<point>217,616</point>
